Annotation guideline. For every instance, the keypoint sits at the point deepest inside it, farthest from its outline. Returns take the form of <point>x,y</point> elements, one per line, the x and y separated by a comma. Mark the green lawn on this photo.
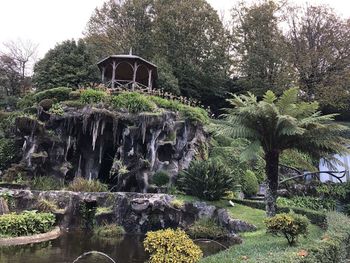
<point>257,246</point>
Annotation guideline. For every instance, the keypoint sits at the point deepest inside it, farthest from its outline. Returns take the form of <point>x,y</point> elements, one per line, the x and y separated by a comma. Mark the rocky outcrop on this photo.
<point>136,212</point>
<point>121,149</point>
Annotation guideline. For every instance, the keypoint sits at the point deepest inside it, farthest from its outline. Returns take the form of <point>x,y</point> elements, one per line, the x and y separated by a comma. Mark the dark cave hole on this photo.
<point>165,152</point>
<point>106,165</point>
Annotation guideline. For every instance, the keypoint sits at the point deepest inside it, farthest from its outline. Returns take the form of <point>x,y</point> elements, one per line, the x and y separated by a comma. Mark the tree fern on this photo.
<point>278,124</point>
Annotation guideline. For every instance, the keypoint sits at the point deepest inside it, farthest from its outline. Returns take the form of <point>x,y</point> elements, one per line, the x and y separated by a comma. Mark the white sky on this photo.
<point>47,22</point>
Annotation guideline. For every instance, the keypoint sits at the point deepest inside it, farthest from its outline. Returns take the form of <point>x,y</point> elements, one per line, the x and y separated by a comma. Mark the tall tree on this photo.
<point>278,124</point>
<point>23,52</point>
<point>119,26</point>
<point>259,47</point>
<point>10,76</point>
<point>320,44</point>
<point>69,64</point>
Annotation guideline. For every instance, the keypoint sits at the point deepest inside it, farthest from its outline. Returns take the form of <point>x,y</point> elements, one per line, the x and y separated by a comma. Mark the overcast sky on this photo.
<point>47,22</point>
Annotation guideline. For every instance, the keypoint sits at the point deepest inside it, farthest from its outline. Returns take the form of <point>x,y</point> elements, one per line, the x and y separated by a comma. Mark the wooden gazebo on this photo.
<point>127,72</point>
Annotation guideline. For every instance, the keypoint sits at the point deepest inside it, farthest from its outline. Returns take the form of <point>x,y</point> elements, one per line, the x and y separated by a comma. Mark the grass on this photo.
<point>257,246</point>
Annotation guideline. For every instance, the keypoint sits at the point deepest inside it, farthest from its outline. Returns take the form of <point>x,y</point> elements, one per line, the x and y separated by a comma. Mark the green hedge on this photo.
<point>26,223</point>
<point>315,217</point>
<point>60,94</point>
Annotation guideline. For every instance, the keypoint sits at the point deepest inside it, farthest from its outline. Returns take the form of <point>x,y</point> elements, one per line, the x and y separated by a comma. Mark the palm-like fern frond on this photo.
<point>283,123</point>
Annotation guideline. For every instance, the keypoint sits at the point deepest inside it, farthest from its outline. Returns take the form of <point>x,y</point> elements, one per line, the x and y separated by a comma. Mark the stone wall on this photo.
<point>136,212</point>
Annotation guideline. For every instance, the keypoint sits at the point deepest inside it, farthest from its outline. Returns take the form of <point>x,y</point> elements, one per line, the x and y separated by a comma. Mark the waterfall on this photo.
<point>152,147</point>
<point>68,147</point>
<point>95,130</point>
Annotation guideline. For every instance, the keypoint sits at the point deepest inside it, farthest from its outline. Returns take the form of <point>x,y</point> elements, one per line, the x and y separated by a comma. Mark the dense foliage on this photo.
<point>291,226</point>
<point>171,246</point>
<point>294,124</point>
<point>69,64</point>
<point>7,152</point>
<point>207,179</point>
<point>26,223</point>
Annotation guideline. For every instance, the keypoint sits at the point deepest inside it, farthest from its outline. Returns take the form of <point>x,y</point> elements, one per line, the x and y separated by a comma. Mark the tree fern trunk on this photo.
<point>271,159</point>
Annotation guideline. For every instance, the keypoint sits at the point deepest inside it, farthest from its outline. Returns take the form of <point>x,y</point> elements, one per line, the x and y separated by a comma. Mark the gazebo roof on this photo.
<point>104,61</point>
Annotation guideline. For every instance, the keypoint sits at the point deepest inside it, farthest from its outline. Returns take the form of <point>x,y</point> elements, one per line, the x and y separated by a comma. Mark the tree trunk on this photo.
<point>271,169</point>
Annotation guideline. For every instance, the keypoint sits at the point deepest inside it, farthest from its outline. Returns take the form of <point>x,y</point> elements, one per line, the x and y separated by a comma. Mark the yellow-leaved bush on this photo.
<point>173,246</point>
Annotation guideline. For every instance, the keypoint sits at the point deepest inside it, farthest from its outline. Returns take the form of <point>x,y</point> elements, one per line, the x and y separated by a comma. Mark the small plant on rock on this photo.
<point>171,246</point>
<point>290,225</point>
<point>80,184</point>
<point>160,178</point>
<point>56,109</point>
<point>46,206</point>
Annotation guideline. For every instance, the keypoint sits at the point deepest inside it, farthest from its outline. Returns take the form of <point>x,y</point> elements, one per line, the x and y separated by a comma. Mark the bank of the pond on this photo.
<point>11,241</point>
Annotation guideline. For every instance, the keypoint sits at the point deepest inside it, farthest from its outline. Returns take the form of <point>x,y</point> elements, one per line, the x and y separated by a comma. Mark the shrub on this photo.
<point>171,246</point>
<point>46,183</point>
<point>7,152</point>
<point>133,102</point>
<point>160,178</point>
<point>334,246</point>
<point>250,185</point>
<point>207,228</point>
<point>74,95</point>
<point>290,225</point>
<point>208,179</point>
<point>109,231</point>
<point>80,184</point>
<point>44,205</point>
<point>57,109</point>
<point>177,203</point>
<point>74,103</point>
<point>91,96</point>
<point>46,104</point>
<point>27,101</point>
<point>59,94</point>
<point>26,223</point>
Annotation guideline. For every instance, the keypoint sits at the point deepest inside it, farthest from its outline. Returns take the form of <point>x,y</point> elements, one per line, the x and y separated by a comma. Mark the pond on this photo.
<point>65,249</point>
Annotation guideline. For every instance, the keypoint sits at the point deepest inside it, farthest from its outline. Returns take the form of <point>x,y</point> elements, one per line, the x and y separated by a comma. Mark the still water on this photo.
<point>65,249</point>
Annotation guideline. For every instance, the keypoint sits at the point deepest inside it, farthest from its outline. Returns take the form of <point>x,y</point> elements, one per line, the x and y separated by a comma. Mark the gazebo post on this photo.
<point>134,76</point>
<point>150,79</point>
<point>113,75</point>
<point>103,74</point>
